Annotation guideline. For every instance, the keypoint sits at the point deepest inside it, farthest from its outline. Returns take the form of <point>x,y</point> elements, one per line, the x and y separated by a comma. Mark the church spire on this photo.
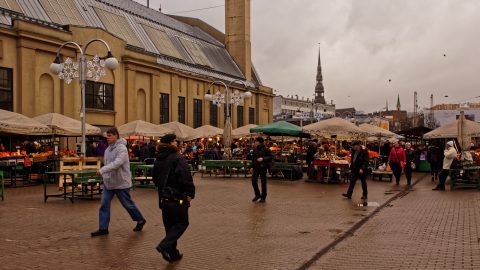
<point>386,105</point>
<point>398,103</point>
<point>319,90</point>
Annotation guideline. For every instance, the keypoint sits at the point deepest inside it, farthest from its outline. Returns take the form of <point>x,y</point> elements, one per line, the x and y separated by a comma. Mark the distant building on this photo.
<point>442,114</point>
<point>292,106</point>
<point>295,108</point>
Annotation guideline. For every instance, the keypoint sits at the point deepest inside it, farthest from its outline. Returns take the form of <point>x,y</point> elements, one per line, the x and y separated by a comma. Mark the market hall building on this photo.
<point>165,65</point>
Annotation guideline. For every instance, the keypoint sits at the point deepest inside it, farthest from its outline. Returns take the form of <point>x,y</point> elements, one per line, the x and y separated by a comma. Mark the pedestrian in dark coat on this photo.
<point>358,168</point>
<point>261,162</point>
<point>175,192</point>
<point>435,158</point>
<point>410,158</point>
<point>311,151</point>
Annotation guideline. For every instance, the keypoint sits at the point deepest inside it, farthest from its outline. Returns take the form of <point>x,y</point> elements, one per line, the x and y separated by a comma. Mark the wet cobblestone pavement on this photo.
<point>227,231</point>
<point>422,230</point>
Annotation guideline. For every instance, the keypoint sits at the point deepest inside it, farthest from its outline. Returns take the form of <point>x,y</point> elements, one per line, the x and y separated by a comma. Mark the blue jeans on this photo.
<point>127,203</point>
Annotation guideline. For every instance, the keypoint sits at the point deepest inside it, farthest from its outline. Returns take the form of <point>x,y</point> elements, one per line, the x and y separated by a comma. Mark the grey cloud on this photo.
<point>364,43</point>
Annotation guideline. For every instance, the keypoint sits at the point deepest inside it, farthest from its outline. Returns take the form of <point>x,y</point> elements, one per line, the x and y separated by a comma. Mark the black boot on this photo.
<point>166,256</point>
<point>139,226</point>
<point>99,233</point>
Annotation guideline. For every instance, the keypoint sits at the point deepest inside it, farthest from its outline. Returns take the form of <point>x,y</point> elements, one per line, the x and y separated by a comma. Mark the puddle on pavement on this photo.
<point>335,230</point>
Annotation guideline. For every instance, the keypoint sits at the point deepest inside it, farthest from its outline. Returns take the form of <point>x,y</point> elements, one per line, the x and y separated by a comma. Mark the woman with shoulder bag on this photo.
<point>397,161</point>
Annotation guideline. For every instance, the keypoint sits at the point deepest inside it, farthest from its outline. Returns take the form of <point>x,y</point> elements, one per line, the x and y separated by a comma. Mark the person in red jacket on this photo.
<point>397,161</point>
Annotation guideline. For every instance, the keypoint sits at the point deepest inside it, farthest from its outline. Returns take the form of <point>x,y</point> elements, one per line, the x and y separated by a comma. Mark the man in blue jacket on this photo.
<point>117,180</point>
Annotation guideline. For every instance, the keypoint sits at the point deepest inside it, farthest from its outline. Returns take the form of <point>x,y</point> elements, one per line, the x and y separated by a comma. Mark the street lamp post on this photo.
<point>227,98</point>
<point>94,69</point>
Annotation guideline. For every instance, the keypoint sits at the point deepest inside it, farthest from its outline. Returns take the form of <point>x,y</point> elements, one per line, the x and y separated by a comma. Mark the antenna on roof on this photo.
<point>148,3</point>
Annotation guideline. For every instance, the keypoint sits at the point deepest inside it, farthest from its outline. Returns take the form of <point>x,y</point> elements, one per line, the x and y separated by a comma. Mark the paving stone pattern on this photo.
<point>227,230</point>
<point>422,230</point>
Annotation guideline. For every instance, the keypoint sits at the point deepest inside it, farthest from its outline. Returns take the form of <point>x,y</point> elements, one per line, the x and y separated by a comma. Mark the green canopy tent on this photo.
<point>281,128</point>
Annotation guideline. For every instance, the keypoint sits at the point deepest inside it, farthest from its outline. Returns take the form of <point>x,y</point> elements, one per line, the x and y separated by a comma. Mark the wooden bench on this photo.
<point>381,174</point>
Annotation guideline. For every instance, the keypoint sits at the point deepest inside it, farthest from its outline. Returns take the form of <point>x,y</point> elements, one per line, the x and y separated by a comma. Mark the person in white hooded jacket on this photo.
<point>117,180</point>
<point>449,155</point>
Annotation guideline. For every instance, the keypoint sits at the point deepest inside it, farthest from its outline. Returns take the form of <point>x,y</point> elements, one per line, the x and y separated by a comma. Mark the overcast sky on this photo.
<point>364,44</point>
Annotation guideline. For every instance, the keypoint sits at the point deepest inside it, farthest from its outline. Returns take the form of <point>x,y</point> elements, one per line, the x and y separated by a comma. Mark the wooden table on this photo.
<point>329,165</point>
<point>78,177</point>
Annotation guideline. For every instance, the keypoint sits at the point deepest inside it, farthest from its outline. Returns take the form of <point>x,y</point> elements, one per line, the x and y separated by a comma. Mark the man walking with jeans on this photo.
<point>358,167</point>
<point>449,155</point>
<point>117,180</point>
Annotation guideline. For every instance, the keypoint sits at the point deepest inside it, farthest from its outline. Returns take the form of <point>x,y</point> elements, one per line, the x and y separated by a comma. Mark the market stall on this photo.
<point>16,164</point>
<point>467,173</point>
<point>332,165</point>
<point>284,168</point>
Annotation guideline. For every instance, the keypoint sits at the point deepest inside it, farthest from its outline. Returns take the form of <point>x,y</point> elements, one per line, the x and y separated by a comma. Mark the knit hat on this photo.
<point>168,138</point>
<point>356,143</point>
<point>259,139</point>
<point>450,143</point>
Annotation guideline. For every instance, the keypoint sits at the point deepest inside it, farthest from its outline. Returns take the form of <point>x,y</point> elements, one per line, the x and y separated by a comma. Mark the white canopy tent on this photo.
<point>183,132</point>
<point>66,126</point>
<point>142,128</point>
<point>451,130</point>
<point>15,123</point>
<point>208,131</point>
<point>375,131</point>
<point>243,131</point>
<point>343,129</point>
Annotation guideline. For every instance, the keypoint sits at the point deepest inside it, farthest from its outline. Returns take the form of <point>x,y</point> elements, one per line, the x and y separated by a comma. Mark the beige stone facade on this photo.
<point>28,48</point>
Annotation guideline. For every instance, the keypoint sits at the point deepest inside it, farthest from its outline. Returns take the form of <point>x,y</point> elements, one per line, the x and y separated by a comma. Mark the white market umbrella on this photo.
<point>341,128</point>
<point>15,123</point>
<point>66,126</point>
<point>183,132</point>
<point>243,131</point>
<point>375,131</point>
<point>208,131</point>
<point>451,130</point>
<point>142,128</point>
